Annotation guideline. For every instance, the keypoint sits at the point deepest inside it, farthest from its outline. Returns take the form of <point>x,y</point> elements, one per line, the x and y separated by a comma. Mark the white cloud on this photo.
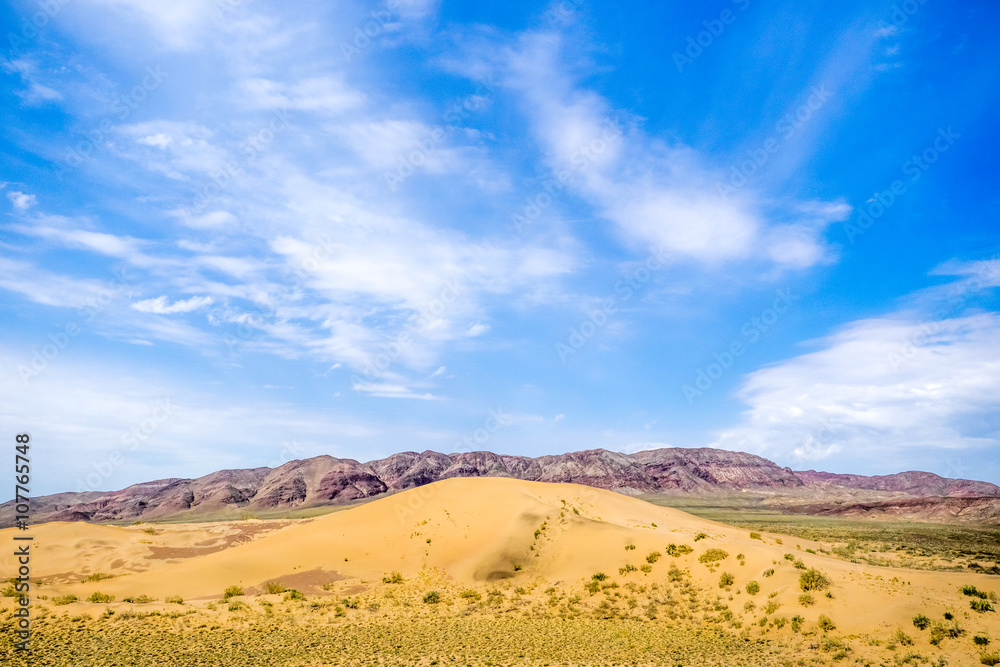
<point>877,386</point>
<point>21,201</point>
<point>328,94</point>
<point>160,306</point>
<point>386,390</point>
<point>657,194</point>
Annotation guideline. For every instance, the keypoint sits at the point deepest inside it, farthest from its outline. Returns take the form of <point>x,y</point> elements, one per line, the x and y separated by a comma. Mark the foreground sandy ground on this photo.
<point>478,572</point>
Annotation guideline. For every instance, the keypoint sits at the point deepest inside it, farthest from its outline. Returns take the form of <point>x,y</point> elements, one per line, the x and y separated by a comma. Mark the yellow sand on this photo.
<point>473,531</point>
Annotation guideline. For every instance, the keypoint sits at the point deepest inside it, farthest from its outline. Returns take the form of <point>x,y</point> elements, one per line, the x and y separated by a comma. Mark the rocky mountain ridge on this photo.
<point>326,480</point>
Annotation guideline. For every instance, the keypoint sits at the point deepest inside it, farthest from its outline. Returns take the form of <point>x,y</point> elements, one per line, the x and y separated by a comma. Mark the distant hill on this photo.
<point>325,480</point>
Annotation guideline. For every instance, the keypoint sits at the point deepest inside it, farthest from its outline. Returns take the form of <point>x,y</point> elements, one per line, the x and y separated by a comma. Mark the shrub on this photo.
<point>629,547</point>
<point>921,622</point>
<point>274,588</point>
<point>101,598</point>
<point>806,600</point>
<point>990,658</point>
<point>769,572</point>
<point>293,594</point>
<point>645,568</point>
<point>517,568</point>
<point>393,578</point>
<point>628,568</point>
<point>981,640</point>
<point>432,597</point>
<point>789,556</point>
<point>237,605</point>
<point>63,599</point>
<point>349,603</point>
<point>948,616</point>
<point>825,624</point>
<point>726,580</point>
<point>653,556</point>
<point>99,576</point>
<point>797,622</point>
<point>982,606</point>
<point>772,606</point>
<point>753,588</point>
<point>973,591</point>
<point>713,555</point>
<point>138,599</point>
<point>470,595</point>
<point>813,580</point>
<point>174,599</point>
<point>674,574</point>
<point>593,586</point>
<point>599,576</point>
<point>903,638</point>
<point>755,536</point>
<point>232,592</point>
<point>700,536</point>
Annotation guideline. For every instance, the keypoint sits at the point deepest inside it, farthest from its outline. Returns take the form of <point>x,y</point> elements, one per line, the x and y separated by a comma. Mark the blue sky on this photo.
<point>236,232</point>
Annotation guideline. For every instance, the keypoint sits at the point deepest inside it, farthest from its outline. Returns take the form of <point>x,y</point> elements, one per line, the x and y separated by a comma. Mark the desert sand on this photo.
<point>482,534</point>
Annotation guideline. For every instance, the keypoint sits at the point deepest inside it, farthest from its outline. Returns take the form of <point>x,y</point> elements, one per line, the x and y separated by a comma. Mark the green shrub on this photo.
<point>755,536</point>
<point>653,556</point>
<point>752,588</point>
<point>99,576</point>
<point>232,592</point>
<point>174,599</point>
<point>772,606</point>
<point>973,591</point>
<point>393,578</point>
<point>237,605</point>
<point>469,594</point>
<point>981,640</point>
<point>713,555</point>
<point>629,547</point>
<point>293,594</point>
<point>981,606</point>
<point>628,568</point>
<point>64,599</point>
<point>903,638</point>
<point>921,622</point>
<point>700,536</point>
<point>274,588</point>
<point>101,598</point>
<point>789,556</point>
<point>726,580</point>
<point>769,572</point>
<point>825,624</point>
<point>813,580</point>
<point>806,600</point>
<point>675,574</point>
<point>599,576</point>
<point>645,568</point>
<point>138,599</point>
<point>593,586</point>
<point>432,597</point>
<point>797,622</point>
<point>990,658</point>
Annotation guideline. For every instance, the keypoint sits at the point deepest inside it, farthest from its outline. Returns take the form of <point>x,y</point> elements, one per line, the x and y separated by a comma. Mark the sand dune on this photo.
<point>475,532</point>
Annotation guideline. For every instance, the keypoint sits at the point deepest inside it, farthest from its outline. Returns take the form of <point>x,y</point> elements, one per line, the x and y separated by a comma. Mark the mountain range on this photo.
<point>325,480</point>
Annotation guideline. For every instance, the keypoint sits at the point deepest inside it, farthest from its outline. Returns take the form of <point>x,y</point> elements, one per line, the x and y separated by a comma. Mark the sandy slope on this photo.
<point>474,531</point>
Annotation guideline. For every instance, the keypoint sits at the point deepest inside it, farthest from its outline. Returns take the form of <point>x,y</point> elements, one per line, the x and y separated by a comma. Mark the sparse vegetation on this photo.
<point>433,597</point>
<point>813,580</point>
<point>274,588</point>
<point>174,599</point>
<point>981,606</point>
<point>63,600</point>
<point>653,556</point>
<point>700,536</point>
<point>138,599</point>
<point>293,595</point>
<point>100,598</point>
<point>726,580</point>
<point>713,555</point>
<point>99,576</point>
<point>755,536</point>
<point>825,624</point>
<point>807,600</point>
<point>231,592</point>
<point>752,588</point>
<point>921,622</point>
